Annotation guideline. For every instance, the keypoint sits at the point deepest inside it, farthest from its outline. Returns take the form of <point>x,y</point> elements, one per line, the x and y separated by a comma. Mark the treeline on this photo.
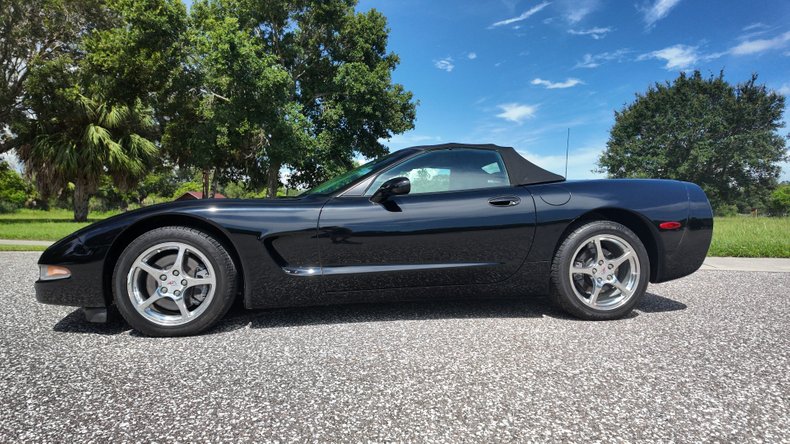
<point>107,93</point>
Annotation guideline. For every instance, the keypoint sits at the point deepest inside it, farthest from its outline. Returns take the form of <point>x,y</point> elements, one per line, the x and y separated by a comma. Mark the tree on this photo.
<point>84,115</point>
<point>299,83</point>
<point>78,139</point>
<point>703,130</point>
<point>33,32</point>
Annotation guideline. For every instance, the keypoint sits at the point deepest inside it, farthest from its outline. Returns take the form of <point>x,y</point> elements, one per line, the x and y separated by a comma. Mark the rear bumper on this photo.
<point>693,247</point>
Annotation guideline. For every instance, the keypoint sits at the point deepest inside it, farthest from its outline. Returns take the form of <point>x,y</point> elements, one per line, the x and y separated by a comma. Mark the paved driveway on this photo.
<point>702,359</point>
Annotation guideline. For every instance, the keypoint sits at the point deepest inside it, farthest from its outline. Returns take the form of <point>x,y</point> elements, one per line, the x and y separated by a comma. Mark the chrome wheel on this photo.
<point>171,283</point>
<point>604,272</point>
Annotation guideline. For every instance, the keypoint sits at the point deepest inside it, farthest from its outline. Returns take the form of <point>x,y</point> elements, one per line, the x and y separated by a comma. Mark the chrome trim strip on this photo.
<point>360,269</point>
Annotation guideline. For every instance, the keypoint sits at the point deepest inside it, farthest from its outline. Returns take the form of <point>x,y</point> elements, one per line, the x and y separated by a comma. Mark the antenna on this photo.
<point>567,148</point>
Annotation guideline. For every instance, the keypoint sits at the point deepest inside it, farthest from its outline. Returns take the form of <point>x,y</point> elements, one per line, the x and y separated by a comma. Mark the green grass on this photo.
<point>743,236</point>
<point>43,225</point>
<point>739,236</point>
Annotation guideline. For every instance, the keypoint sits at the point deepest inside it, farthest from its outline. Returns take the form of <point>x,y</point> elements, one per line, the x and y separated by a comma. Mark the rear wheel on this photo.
<point>174,281</point>
<point>600,271</point>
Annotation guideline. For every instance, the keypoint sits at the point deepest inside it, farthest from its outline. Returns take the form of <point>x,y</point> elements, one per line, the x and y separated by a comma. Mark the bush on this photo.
<point>14,191</point>
<point>780,200</point>
<point>726,210</point>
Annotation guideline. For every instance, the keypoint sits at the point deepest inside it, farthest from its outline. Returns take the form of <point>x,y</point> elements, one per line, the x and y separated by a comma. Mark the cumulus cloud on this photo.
<point>445,64</point>
<point>517,112</point>
<point>596,33</point>
<point>472,55</point>
<point>571,82</point>
<point>525,15</point>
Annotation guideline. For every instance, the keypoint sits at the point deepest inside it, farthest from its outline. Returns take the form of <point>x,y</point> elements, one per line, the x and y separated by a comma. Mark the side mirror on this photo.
<point>394,187</point>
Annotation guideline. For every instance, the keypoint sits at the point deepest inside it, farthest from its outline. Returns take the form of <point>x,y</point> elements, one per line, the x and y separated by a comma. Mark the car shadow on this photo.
<point>238,317</point>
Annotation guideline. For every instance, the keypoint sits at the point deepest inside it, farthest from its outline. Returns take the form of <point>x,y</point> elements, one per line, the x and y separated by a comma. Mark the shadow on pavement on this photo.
<point>75,322</point>
<point>653,303</point>
<point>238,317</point>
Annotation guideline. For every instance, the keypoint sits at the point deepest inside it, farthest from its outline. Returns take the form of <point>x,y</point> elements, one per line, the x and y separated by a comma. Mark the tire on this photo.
<point>610,273</point>
<point>157,298</point>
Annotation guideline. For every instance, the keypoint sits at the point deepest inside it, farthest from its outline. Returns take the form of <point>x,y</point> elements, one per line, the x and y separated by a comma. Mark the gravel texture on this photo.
<point>704,358</point>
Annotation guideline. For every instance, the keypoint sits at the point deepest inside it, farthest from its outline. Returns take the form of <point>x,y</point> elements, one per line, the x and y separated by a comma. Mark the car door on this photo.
<point>462,223</point>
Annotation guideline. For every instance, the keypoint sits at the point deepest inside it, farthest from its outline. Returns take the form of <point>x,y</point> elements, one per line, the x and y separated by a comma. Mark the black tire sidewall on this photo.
<point>563,292</point>
<point>221,261</point>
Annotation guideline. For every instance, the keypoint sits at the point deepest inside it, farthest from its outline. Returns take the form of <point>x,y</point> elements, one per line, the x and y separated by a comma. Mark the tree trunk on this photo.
<point>273,179</point>
<point>81,199</point>
<point>206,176</point>
<point>214,180</point>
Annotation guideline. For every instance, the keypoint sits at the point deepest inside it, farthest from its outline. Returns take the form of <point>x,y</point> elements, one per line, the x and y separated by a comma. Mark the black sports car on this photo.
<point>427,222</point>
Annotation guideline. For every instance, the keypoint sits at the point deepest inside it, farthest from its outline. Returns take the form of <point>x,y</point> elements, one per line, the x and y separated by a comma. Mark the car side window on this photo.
<point>448,170</point>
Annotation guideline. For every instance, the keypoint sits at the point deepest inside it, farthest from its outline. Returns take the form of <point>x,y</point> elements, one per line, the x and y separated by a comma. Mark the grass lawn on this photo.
<point>743,236</point>
<point>43,225</point>
<point>732,236</point>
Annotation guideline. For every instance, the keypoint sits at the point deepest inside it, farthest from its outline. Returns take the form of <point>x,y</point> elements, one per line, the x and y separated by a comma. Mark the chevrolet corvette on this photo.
<point>423,223</point>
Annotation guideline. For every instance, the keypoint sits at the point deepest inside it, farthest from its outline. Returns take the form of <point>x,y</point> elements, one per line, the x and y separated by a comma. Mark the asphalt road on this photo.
<point>704,358</point>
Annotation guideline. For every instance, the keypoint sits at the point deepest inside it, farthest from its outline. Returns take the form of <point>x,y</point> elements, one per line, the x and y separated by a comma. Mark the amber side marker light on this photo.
<point>53,272</point>
<point>669,225</point>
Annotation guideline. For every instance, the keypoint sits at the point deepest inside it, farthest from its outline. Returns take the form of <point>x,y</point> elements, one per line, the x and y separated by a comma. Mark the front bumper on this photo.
<point>82,289</point>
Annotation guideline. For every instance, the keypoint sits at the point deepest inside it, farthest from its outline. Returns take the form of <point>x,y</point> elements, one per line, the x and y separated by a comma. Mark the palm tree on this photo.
<point>87,140</point>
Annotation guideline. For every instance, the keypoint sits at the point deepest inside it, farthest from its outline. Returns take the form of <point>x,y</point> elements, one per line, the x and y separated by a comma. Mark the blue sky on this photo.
<point>519,73</point>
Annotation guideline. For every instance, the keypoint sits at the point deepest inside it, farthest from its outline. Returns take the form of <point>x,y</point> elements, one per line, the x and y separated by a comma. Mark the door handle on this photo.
<point>505,201</point>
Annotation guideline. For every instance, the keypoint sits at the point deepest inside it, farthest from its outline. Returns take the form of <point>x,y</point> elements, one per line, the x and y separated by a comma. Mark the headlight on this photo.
<point>53,272</point>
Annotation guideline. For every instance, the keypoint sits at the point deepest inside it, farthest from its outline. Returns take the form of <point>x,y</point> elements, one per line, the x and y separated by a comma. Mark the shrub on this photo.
<point>780,200</point>
<point>14,191</point>
<point>726,210</point>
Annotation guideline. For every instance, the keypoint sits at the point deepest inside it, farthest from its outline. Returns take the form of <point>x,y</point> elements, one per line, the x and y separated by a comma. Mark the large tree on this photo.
<point>87,111</point>
<point>704,130</point>
<point>78,139</point>
<point>34,32</point>
<point>299,83</point>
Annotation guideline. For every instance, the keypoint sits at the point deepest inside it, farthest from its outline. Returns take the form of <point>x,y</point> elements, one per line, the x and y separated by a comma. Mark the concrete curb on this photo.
<point>37,243</point>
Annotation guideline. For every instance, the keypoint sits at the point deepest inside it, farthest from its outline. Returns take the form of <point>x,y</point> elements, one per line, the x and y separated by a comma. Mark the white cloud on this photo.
<point>596,33</point>
<point>525,15</point>
<point>761,45</point>
<point>596,60</point>
<point>571,82</point>
<point>680,57</point>
<point>753,26</point>
<point>784,89</point>
<point>472,55</point>
<point>517,112</point>
<point>657,11</point>
<point>676,56</point>
<point>445,64</point>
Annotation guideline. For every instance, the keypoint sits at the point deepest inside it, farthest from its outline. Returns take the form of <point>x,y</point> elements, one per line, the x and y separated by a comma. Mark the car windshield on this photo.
<point>337,183</point>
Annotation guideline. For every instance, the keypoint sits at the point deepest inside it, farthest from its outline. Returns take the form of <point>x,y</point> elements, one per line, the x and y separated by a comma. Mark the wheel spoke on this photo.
<point>599,256</point>
<point>622,258</point>
<point>179,263</point>
<point>594,295</point>
<point>196,281</point>
<point>587,271</point>
<point>153,271</point>
<point>153,298</point>
<point>619,285</point>
<point>182,307</point>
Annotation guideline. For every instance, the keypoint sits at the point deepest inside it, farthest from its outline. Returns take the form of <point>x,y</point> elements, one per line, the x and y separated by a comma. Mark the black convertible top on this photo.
<point>520,170</point>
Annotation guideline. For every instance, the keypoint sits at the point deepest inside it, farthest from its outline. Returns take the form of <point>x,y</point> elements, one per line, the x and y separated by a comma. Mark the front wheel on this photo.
<point>174,281</point>
<point>600,271</point>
